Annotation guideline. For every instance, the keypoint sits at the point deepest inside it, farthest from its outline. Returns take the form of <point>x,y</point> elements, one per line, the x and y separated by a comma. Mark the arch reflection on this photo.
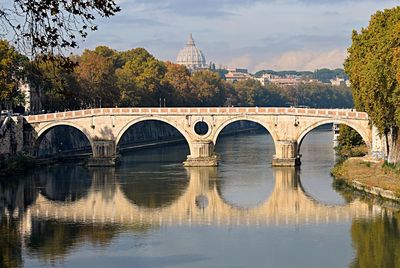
<point>64,183</point>
<point>200,203</point>
<point>152,190</point>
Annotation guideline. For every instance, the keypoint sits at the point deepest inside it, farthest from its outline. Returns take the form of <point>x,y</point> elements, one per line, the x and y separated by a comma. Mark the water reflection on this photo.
<point>57,213</point>
<point>377,242</point>
<point>73,186</point>
<point>147,200</point>
<point>52,220</point>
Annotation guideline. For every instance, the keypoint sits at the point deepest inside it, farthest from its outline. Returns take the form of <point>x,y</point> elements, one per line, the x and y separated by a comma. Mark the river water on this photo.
<point>152,212</point>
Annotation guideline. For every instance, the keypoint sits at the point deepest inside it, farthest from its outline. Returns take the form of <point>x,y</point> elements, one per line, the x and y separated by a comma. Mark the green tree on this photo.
<point>178,84</point>
<point>209,88</point>
<point>95,74</point>
<point>60,90</point>
<point>139,80</point>
<point>247,91</point>
<point>350,143</point>
<point>373,65</point>
<point>268,95</point>
<point>11,75</point>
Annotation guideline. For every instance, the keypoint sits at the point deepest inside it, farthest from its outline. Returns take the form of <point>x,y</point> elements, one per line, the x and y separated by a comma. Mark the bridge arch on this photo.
<point>242,118</point>
<point>153,118</point>
<point>43,131</point>
<point>360,130</point>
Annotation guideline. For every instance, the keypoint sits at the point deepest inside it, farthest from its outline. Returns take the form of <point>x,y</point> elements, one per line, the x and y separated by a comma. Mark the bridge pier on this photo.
<point>201,154</point>
<point>286,154</point>
<point>104,154</point>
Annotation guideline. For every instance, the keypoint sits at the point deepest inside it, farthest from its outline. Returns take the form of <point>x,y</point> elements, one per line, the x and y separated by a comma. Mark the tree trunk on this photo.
<point>393,145</point>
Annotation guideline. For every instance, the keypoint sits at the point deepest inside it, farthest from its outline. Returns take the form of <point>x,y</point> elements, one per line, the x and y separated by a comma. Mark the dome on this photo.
<point>191,56</point>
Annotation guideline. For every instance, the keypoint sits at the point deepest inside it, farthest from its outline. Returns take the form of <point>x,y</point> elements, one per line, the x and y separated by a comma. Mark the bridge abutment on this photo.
<point>286,154</point>
<point>104,154</point>
<point>202,154</point>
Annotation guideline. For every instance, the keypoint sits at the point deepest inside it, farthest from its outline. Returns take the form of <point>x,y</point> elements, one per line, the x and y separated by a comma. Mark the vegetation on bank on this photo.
<point>370,174</point>
<point>373,66</point>
<point>16,165</point>
<point>350,144</point>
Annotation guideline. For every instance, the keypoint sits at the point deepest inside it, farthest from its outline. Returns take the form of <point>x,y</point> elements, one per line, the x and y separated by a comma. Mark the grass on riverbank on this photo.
<point>370,174</point>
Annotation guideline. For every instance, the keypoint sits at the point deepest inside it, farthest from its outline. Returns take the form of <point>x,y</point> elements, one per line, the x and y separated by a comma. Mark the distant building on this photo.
<point>279,80</point>
<point>237,74</point>
<point>287,81</point>
<point>264,79</point>
<point>33,102</point>
<point>339,81</point>
<point>191,56</point>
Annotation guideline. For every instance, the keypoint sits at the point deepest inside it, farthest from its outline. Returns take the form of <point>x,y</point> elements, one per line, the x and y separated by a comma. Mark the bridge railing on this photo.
<point>343,113</point>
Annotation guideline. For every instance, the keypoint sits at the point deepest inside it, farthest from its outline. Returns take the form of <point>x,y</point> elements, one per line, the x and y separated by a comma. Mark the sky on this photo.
<point>253,34</point>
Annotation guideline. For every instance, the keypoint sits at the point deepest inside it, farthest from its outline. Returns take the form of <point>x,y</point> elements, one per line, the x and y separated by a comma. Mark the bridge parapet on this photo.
<point>338,113</point>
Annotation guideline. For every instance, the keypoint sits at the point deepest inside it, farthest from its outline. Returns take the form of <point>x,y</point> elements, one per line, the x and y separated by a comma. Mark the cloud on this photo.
<point>254,34</point>
<point>306,60</point>
<point>197,8</point>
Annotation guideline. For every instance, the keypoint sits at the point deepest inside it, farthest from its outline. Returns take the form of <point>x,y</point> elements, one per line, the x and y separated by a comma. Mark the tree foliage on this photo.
<point>350,143</point>
<point>95,75</point>
<point>12,66</point>
<point>45,26</point>
<point>373,65</point>
<point>140,78</point>
<point>107,77</point>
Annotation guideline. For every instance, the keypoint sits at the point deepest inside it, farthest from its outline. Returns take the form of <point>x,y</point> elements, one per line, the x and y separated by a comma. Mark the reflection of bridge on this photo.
<point>201,204</point>
<point>288,126</point>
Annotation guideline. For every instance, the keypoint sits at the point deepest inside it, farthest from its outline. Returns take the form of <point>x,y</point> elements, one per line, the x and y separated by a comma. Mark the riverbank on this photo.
<point>372,177</point>
<point>16,165</point>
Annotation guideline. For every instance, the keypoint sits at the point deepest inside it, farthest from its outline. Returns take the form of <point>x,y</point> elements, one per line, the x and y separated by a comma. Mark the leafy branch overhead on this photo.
<point>49,26</point>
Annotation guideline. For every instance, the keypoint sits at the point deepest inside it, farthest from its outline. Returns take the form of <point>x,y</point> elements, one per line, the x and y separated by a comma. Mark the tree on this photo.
<point>179,85</point>
<point>11,74</point>
<point>44,26</point>
<point>60,90</point>
<point>209,88</point>
<point>268,95</point>
<point>139,80</point>
<point>373,65</point>
<point>350,143</point>
<point>247,91</point>
<point>96,76</point>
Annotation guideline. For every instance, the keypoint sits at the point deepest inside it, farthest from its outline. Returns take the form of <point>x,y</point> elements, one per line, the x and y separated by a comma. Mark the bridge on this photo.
<point>201,203</point>
<point>104,128</point>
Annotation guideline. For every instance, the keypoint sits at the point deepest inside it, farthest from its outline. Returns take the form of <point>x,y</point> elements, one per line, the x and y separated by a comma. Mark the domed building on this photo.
<point>191,56</point>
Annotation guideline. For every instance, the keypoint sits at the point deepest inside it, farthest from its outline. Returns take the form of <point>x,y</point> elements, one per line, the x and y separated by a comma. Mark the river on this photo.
<point>152,212</point>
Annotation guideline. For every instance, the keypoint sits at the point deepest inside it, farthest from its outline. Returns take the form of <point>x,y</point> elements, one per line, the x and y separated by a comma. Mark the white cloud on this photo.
<point>306,60</point>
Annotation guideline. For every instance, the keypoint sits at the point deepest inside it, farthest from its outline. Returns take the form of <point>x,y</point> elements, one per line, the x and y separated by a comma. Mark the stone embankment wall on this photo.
<point>11,136</point>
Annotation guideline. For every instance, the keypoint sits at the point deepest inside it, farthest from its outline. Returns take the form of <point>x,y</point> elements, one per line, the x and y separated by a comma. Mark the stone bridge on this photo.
<point>201,204</point>
<point>104,128</point>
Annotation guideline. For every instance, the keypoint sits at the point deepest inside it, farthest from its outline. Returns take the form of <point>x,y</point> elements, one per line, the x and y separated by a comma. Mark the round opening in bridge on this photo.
<point>201,128</point>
